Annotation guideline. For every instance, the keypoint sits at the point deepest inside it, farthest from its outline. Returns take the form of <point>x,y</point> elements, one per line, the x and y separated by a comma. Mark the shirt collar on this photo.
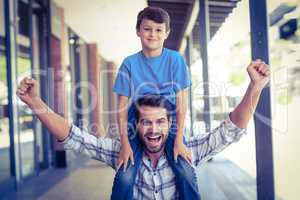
<point>147,161</point>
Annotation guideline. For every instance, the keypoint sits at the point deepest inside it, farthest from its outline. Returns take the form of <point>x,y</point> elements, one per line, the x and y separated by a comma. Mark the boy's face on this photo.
<point>152,34</point>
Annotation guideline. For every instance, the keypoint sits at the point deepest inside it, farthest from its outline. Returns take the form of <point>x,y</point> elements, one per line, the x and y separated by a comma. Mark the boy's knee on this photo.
<point>184,168</point>
<point>126,177</point>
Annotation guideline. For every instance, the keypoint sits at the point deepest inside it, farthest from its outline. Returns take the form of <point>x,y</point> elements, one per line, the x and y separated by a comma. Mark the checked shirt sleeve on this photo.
<point>205,146</point>
<point>102,148</point>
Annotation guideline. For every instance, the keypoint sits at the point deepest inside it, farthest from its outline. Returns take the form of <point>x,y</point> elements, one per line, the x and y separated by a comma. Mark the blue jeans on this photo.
<point>185,177</point>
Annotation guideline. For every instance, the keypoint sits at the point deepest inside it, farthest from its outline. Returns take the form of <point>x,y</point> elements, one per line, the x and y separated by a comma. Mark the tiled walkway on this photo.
<point>92,180</point>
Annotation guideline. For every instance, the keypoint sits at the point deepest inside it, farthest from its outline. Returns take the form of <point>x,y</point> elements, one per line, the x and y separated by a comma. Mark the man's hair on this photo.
<point>155,14</point>
<point>156,101</point>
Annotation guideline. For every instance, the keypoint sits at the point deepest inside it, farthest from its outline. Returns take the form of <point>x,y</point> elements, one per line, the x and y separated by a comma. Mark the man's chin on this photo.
<point>154,149</point>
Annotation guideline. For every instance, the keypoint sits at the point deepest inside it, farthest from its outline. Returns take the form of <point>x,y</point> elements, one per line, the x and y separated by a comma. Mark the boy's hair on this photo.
<point>153,100</point>
<point>155,14</point>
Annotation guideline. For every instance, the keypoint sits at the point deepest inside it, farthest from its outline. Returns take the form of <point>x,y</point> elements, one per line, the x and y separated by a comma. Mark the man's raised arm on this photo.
<point>259,74</point>
<point>57,125</point>
<point>232,129</point>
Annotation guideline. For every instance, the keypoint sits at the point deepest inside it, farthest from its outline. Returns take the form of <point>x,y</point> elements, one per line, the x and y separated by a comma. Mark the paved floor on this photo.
<point>92,180</point>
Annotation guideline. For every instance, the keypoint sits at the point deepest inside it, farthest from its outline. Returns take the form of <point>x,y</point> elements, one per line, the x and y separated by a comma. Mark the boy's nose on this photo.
<point>152,33</point>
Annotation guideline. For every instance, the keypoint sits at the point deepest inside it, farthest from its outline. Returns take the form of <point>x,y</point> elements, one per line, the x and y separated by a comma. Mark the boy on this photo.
<point>154,70</point>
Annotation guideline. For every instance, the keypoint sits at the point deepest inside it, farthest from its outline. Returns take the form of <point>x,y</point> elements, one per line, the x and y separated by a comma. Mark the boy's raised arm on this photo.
<point>57,125</point>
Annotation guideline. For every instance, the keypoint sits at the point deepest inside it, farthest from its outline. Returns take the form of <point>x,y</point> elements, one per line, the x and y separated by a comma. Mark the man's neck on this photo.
<point>152,53</point>
<point>154,157</point>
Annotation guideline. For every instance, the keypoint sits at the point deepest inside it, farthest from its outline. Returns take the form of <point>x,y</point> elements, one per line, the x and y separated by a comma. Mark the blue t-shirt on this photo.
<point>165,74</point>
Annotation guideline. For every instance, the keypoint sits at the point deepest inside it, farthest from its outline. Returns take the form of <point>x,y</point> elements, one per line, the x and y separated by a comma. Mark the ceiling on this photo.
<point>114,30</point>
<point>181,11</point>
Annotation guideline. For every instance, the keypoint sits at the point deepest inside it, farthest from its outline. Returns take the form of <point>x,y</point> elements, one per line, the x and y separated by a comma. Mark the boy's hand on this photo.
<point>27,90</point>
<point>259,73</point>
<point>180,149</point>
<point>125,154</point>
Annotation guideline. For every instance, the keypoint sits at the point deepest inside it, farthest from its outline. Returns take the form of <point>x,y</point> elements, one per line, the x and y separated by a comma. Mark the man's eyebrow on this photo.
<point>144,120</point>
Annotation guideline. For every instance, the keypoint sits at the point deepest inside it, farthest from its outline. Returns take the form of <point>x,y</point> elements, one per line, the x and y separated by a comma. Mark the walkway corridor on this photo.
<point>87,179</point>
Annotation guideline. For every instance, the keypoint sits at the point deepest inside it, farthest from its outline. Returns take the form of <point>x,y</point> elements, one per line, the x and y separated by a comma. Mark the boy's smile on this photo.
<point>152,37</point>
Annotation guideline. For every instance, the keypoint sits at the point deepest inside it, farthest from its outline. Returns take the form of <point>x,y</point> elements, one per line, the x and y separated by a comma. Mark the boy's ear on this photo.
<point>138,32</point>
<point>167,33</point>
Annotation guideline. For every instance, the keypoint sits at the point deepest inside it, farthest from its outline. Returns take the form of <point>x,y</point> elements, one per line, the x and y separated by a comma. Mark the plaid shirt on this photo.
<point>158,183</point>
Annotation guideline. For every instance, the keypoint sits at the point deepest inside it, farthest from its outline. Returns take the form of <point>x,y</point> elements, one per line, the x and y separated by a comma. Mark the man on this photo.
<point>155,178</point>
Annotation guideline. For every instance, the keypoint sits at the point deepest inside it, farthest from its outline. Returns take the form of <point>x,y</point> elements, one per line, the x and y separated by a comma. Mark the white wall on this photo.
<point>286,152</point>
<point>111,24</point>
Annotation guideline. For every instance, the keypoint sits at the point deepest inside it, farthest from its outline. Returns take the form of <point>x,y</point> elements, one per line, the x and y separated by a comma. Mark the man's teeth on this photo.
<point>154,138</point>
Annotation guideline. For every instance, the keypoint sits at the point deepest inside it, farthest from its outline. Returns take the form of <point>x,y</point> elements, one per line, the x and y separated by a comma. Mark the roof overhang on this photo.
<point>184,18</point>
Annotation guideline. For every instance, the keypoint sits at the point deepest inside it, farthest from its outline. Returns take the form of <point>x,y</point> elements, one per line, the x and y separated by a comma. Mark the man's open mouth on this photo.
<point>154,139</point>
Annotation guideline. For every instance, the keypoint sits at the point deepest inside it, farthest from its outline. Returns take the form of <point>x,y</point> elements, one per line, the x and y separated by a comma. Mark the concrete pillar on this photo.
<point>96,127</point>
<point>112,97</point>
<point>58,71</point>
<point>84,85</point>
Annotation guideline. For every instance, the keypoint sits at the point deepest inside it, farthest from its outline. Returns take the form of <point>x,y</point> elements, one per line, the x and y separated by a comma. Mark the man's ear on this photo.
<point>136,123</point>
<point>170,122</point>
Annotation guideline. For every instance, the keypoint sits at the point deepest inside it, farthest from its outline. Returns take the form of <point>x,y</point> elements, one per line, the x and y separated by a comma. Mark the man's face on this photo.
<point>153,127</point>
<point>152,34</point>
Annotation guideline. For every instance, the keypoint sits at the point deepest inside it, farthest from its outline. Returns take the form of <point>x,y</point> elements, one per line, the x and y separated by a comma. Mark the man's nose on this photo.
<point>155,127</point>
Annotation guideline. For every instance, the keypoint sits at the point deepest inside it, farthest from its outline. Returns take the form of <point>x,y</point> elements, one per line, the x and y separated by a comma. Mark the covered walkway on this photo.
<point>74,50</point>
<point>92,180</point>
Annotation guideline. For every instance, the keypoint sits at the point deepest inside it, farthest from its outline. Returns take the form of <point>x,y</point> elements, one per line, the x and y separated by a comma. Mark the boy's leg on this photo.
<point>186,180</point>
<point>124,180</point>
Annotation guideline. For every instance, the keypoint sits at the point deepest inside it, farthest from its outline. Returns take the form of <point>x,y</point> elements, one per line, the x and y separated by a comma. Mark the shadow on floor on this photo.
<point>88,179</point>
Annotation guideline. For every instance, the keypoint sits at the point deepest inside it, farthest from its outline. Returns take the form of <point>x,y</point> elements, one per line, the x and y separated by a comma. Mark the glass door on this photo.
<point>25,118</point>
<point>38,72</point>
<point>6,170</point>
<point>31,61</point>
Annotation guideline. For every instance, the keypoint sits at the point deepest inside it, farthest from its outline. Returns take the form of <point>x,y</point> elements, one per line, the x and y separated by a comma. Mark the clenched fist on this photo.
<point>27,90</point>
<point>259,73</point>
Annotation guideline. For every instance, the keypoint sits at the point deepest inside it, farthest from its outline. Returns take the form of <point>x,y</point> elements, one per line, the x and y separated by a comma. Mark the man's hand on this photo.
<point>57,125</point>
<point>124,156</point>
<point>180,149</point>
<point>27,91</point>
<point>259,73</point>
